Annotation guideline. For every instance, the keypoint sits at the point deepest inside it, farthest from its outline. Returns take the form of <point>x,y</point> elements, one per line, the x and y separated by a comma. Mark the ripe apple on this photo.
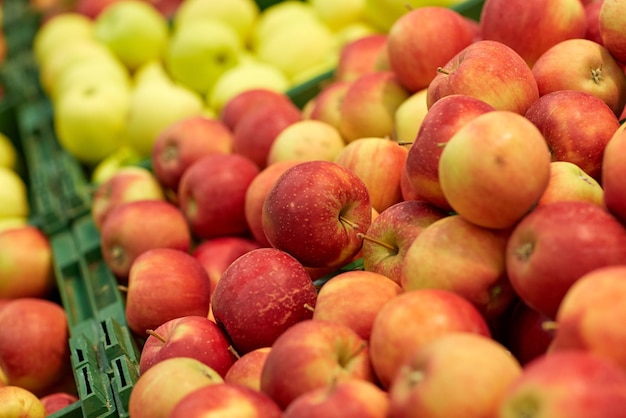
<point>211,194</point>
<point>34,352</point>
<point>456,375</point>
<point>187,336</point>
<point>16,401</point>
<point>425,314</point>
<point>26,263</point>
<point>422,161</point>
<point>560,231</point>
<point>247,369</point>
<point>355,398</point>
<point>57,401</point>
<point>226,399</point>
<point>391,234</point>
<point>592,12</point>
<point>563,118</point>
<point>158,390</point>
<point>315,211</point>
<point>255,198</point>
<point>245,102</point>
<point>416,49</point>
<point>369,106</point>
<point>314,354</point>
<point>326,106</point>
<point>359,56</point>
<point>164,284</point>
<point>569,182</point>
<point>183,143</point>
<point>572,384</point>
<point>507,174</point>
<point>527,333</point>
<point>409,117</point>
<point>611,27</point>
<point>353,298</point>
<point>135,227</point>
<point>13,194</point>
<point>589,68</point>
<point>459,256</point>
<point>613,170</point>
<point>509,82</point>
<point>59,29</point>
<point>510,22</point>
<point>128,184</point>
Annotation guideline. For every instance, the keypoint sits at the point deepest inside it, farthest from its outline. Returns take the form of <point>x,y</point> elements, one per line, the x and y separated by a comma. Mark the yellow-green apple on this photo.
<point>316,211</point>
<point>359,57</point>
<point>16,401</point>
<point>187,336</point>
<point>247,369</point>
<point>613,170</point>
<point>584,320</point>
<point>338,15</point>
<point>384,13</point>
<point>378,162</point>
<point>526,332</point>
<point>226,399</point>
<point>157,391</point>
<point>243,103</point>
<point>260,295</point>
<point>425,314</point>
<point>355,397</point>
<point>612,19</point>
<point>564,116</point>
<point>163,284</point>
<point>590,68</point>
<point>534,244</point>
<point>200,51</point>
<point>570,182</point>
<point>391,234</point>
<point>326,106</point>
<point>257,129</point>
<point>26,263</point>
<point>408,192</point>
<point>409,117</point>
<point>511,86</point>
<point>314,354</point>
<point>9,155</point>
<point>353,298</point>
<point>278,14</point>
<point>572,384</point>
<point>134,30</point>
<point>34,352</point>
<point>59,29</point>
<point>511,22</point>
<point>448,115</point>
<point>456,255</point>
<point>456,375</point>
<point>369,106</point>
<point>123,156</point>
<point>57,401</point>
<point>416,51</point>
<point>255,198</point>
<point>592,13</point>
<point>216,254</point>
<point>128,184</point>
<point>507,174</point>
<point>306,140</point>
<point>13,194</point>
<point>135,227</point>
<point>183,143</point>
<point>211,194</point>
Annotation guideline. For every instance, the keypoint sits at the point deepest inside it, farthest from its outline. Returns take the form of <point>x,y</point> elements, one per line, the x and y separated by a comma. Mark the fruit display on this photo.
<point>313,208</point>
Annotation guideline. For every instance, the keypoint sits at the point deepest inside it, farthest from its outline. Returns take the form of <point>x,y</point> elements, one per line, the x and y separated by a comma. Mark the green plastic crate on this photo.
<point>19,24</point>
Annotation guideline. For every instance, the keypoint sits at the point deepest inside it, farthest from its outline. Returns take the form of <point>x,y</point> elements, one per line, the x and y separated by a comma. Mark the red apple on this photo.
<point>360,56</point>
<point>127,184</point>
<point>613,172</point>
<point>443,119</point>
<point>416,48</point>
<point>16,401</point>
<point>571,384</point>
<point>612,19</point>
<point>164,284</point>
<point>26,263</point>
<point>315,211</point>
<point>247,369</point>
<point>212,193</point>
<point>326,106</point>
<point>314,354</point>
<point>583,65</point>
<point>592,12</point>
<point>135,227</point>
<point>553,246</point>
<point>260,295</point>
<point>569,182</point>
<point>57,401</point>
<point>247,102</point>
<point>508,172</point>
<point>564,116</point>
<point>391,234</point>
<point>188,336</point>
<point>532,27</point>
<point>490,71</point>
<point>456,375</point>
<point>527,333</point>
<point>424,315</point>
<point>183,143</point>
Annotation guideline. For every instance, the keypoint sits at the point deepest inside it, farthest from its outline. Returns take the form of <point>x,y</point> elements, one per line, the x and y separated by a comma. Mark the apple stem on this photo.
<point>442,70</point>
<point>348,222</point>
<point>122,288</point>
<point>309,307</point>
<point>156,335</point>
<point>234,352</point>
<point>549,325</point>
<point>441,144</point>
<point>379,242</point>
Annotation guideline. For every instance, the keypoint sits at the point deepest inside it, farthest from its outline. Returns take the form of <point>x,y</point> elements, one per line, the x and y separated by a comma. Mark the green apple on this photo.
<point>409,116</point>
<point>354,31</point>
<point>124,156</point>
<point>13,195</point>
<point>280,14</point>
<point>8,152</point>
<point>339,14</point>
<point>383,13</point>
<point>134,30</point>
<point>58,30</point>
<point>201,51</point>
